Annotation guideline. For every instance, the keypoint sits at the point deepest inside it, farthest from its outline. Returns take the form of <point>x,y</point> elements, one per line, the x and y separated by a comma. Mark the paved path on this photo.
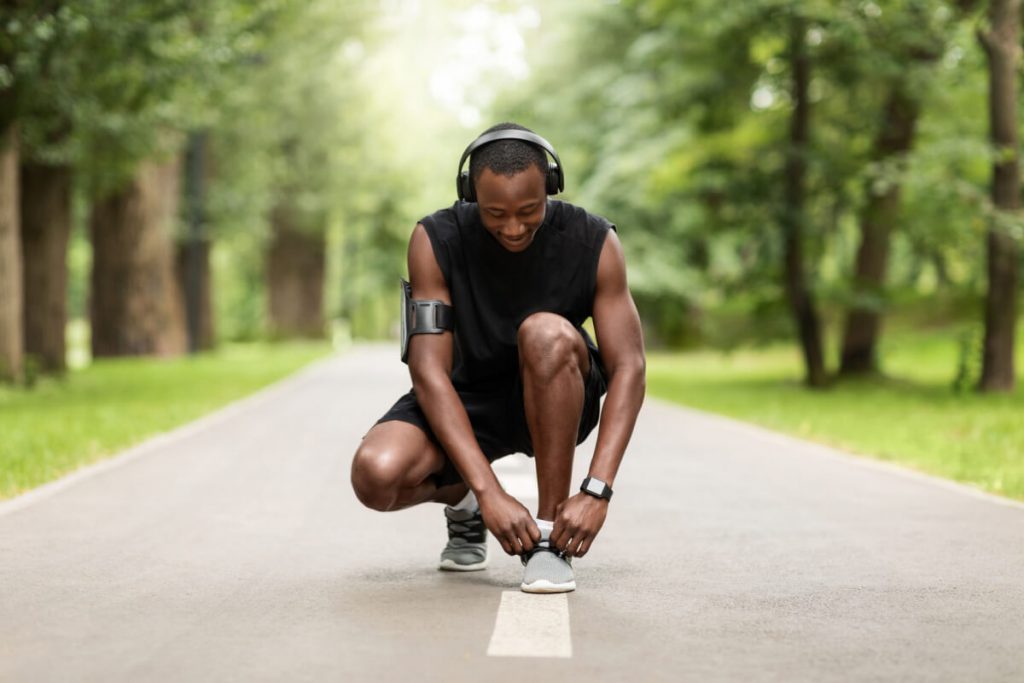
<point>235,550</point>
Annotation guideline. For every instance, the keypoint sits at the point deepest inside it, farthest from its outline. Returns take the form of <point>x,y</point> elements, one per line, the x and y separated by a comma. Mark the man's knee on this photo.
<point>548,344</point>
<point>376,476</point>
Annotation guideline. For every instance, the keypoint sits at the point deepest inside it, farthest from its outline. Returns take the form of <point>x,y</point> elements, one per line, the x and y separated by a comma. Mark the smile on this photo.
<point>516,241</point>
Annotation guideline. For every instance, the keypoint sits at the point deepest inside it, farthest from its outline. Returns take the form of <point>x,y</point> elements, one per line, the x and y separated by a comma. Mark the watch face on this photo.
<point>596,488</point>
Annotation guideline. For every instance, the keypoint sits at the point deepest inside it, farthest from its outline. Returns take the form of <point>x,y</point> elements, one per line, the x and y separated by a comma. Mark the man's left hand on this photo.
<point>577,521</point>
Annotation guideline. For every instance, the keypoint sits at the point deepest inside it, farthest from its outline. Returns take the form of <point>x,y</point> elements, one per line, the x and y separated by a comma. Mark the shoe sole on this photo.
<point>545,586</point>
<point>452,566</point>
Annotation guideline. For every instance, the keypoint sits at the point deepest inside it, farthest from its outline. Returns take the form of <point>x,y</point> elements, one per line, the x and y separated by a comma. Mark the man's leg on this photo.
<point>554,361</point>
<point>392,469</point>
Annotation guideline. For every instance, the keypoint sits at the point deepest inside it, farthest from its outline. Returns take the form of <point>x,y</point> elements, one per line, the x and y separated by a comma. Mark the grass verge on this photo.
<point>911,417</point>
<point>61,424</point>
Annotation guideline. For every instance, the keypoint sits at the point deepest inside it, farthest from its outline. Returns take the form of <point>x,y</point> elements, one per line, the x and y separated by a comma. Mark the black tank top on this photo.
<point>493,290</point>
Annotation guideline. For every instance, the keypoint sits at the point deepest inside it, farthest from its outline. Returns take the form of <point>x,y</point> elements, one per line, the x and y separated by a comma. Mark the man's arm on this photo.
<point>620,338</point>
<point>430,366</point>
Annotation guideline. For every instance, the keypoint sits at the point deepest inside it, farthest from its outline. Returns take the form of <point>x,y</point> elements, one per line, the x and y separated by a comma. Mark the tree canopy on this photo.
<point>683,122</point>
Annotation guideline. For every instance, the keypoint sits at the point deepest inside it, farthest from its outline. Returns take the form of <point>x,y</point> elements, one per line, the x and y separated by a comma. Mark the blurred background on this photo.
<point>832,181</point>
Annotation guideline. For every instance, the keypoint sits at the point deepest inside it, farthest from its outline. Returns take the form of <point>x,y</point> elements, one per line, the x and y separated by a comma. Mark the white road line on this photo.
<point>530,625</point>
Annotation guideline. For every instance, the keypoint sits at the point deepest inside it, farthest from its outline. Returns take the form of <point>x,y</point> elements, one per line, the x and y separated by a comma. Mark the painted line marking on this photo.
<point>531,625</point>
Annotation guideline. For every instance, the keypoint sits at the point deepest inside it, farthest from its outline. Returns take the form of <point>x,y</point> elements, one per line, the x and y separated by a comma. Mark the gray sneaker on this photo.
<point>547,571</point>
<point>467,541</point>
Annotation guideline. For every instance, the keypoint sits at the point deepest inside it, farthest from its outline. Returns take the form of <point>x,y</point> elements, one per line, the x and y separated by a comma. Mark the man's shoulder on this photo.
<point>568,214</point>
<point>443,224</point>
<point>581,225</point>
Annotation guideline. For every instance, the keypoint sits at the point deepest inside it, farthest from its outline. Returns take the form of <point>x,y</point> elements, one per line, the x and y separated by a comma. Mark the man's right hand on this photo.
<point>509,521</point>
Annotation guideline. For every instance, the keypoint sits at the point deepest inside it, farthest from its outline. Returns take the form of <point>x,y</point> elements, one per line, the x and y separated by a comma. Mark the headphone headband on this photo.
<point>510,134</point>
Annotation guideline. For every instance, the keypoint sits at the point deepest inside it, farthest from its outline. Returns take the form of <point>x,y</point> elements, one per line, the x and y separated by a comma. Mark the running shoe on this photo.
<point>467,541</point>
<point>548,570</point>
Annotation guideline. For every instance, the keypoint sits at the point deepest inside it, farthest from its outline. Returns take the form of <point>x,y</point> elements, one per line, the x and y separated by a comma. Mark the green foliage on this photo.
<point>104,84</point>
<point>671,117</point>
<point>238,283</point>
<point>673,120</point>
<point>332,124</point>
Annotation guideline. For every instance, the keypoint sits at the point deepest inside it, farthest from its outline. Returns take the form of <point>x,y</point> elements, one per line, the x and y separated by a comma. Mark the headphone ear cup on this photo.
<point>551,180</point>
<point>465,188</point>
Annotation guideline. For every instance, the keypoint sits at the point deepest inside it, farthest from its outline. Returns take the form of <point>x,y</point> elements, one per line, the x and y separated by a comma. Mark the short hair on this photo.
<point>507,157</point>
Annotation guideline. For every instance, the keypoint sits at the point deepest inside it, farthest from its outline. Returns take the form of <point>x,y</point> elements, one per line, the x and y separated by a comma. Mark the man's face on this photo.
<point>512,207</point>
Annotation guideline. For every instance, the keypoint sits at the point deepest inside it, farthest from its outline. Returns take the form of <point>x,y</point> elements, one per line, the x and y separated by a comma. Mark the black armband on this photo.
<point>420,316</point>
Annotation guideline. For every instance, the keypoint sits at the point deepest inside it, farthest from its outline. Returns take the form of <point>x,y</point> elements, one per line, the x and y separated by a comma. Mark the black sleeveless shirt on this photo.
<point>493,290</point>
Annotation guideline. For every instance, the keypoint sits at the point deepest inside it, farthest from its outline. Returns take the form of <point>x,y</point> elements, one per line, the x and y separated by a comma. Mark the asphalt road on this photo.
<point>234,549</point>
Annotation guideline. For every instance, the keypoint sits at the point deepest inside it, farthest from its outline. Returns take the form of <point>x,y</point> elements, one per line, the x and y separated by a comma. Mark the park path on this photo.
<point>234,549</point>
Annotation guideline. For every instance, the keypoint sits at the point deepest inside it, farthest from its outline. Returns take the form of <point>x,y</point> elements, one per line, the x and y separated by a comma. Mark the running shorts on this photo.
<point>498,417</point>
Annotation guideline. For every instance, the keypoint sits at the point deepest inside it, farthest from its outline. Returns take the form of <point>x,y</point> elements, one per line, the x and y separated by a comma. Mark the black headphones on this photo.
<point>554,181</point>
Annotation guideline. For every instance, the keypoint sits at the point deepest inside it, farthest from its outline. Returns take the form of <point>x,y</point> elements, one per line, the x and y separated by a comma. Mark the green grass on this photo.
<point>911,417</point>
<point>62,424</point>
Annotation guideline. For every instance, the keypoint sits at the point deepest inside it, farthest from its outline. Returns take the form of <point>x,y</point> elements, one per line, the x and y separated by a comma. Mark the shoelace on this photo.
<point>543,547</point>
<point>469,530</point>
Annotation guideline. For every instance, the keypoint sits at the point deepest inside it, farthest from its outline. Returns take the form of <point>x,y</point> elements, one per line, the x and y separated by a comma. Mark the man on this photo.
<point>501,283</point>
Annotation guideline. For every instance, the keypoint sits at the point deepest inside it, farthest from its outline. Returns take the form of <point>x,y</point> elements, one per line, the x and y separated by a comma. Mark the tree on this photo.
<point>294,123</point>
<point>878,220</point>
<point>49,34</point>
<point>908,44</point>
<point>164,67</point>
<point>45,230</point>
<point>296,260</point>
<point>800,298</point>
<point>11,304</point>
<point>1001,41</point>
<point>193,256</point>
<point>136,306</point>
<point>11,344</point>
<point>89,108</point>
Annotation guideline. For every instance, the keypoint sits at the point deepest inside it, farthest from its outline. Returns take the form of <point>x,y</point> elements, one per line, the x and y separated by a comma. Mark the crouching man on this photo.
<point>501,283</point>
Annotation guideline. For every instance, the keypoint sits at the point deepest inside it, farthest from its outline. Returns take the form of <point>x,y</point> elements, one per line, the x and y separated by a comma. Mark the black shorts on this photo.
<point>498,417</point>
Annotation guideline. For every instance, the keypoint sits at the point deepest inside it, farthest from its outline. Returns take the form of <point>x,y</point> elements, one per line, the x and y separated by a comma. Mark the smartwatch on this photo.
<point>596,488</point>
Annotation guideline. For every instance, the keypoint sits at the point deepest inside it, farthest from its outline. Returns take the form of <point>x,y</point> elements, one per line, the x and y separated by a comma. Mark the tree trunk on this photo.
<point>1002,44</point>
<point>136,304</point>
<point>45,230</point>
<point>941,269</point>
<point>194,252</point>
<point>295,275</point>
<point>193,266</point>
<point>11,300</point>
<point>799,296</point>
<point>863,321</point>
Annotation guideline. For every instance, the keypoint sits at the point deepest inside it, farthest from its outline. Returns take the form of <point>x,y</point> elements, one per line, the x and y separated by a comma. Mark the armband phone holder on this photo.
<point>422,316</point>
